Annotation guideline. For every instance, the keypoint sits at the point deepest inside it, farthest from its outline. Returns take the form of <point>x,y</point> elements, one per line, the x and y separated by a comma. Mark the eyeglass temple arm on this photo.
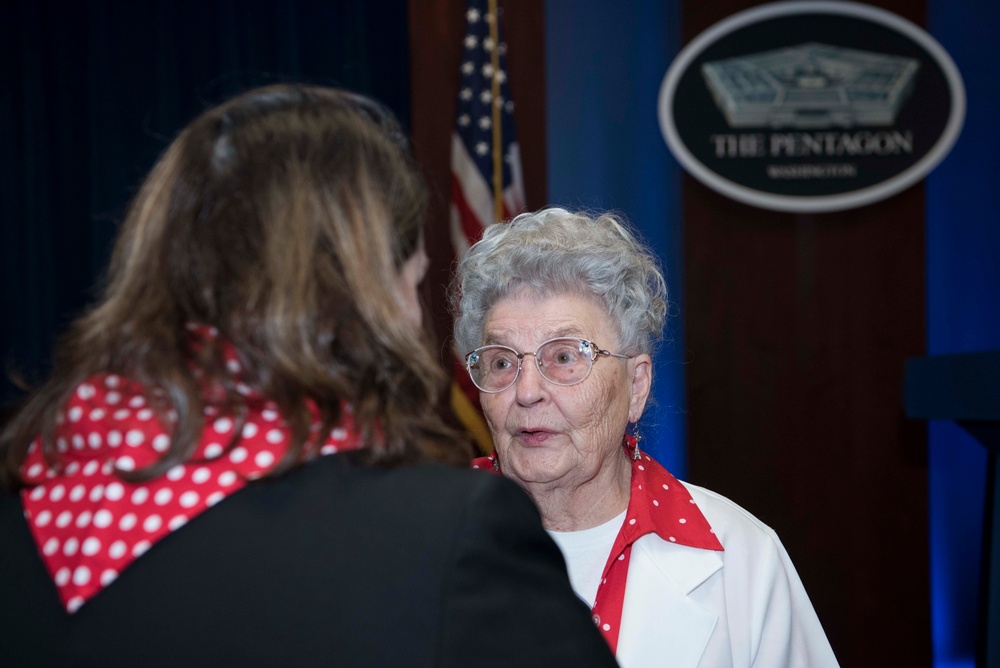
<point>608,353</point>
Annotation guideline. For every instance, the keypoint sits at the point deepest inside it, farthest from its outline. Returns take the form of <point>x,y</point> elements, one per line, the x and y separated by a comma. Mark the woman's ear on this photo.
<point>642,383</point>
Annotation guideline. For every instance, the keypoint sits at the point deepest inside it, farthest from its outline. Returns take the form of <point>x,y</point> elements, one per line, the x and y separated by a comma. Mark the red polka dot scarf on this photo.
<point>658,503</point>
<point>89,524</point>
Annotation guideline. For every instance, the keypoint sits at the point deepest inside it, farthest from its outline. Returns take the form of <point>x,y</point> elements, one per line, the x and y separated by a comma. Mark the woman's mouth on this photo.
<point>534,436</point>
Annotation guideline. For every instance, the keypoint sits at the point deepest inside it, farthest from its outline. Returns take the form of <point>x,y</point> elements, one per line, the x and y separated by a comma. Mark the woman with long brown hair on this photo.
<point>237,459</point>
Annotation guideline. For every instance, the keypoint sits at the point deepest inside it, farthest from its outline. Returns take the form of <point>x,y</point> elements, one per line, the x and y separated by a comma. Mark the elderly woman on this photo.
<point>237,461</point>
<point>558,314</point>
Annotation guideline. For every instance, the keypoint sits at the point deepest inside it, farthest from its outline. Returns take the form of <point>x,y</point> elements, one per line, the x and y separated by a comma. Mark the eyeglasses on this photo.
<point>563,361</point>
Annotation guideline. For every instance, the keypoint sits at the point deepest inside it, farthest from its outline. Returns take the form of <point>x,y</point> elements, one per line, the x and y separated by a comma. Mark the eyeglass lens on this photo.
<point>560,361</point>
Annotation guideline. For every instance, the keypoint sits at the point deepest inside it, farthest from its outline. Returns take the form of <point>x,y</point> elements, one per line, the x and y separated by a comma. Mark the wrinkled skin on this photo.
<point>563,444</point>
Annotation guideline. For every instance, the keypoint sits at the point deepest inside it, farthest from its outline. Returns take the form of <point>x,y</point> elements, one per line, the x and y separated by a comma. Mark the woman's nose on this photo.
<point>529,388</point>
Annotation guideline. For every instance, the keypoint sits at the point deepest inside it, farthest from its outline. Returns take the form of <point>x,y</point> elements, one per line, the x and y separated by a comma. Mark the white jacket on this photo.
<point>685,607</point>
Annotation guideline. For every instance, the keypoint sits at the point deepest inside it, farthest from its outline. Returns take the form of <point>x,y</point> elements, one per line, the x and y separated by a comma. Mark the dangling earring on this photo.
<point>496,462</point>
<point>636,455</point>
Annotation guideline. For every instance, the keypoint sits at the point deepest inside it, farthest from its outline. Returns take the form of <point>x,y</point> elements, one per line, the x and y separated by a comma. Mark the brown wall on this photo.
<point>798,326</point>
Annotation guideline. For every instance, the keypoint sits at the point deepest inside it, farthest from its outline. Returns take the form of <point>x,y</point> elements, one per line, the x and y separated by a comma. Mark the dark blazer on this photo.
<point>335,564</point>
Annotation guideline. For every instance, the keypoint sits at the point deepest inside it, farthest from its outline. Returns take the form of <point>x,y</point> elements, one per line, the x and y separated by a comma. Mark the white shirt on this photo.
<point>586,553</point>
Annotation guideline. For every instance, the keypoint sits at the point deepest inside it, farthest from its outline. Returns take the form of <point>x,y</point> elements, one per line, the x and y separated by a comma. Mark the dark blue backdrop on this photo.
<point>94,90</point>
<point>963,312</point>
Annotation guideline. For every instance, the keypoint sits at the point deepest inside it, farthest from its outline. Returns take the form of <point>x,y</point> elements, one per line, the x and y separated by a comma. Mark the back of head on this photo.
<point>278,222</point>
<point>269,217</point>
<point>555,250</point>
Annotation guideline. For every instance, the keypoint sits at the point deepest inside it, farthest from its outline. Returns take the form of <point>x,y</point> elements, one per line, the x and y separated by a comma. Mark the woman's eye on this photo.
<point>501,364</point>
<point>563,356</point>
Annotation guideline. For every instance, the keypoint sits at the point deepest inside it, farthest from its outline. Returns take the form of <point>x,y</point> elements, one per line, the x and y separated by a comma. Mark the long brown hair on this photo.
<point>280,218</point>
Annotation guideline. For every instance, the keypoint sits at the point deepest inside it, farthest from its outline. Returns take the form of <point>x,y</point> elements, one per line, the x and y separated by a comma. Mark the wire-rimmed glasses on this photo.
<point>561,361</point>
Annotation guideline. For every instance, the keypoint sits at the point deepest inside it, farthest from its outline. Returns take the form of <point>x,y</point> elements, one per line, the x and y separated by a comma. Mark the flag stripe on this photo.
<point>473,187</point>
<point>471,224</point>
<point>513,194</point>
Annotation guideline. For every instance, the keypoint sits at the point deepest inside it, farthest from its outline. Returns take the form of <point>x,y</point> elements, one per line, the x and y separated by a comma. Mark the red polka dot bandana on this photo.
<point>658,503</point>
<point>89,524</point>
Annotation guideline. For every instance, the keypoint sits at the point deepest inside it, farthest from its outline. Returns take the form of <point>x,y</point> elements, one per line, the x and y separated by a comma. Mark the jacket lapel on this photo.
<point>661,625</point>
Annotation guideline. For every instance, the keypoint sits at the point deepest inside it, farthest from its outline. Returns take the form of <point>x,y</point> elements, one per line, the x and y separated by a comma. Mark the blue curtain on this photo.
<point>604,64</point>
<point>963,315</point>
<point>93,90</point>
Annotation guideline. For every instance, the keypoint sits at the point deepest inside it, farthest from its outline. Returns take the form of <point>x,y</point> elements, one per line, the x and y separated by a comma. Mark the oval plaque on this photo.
<point>810,106</point>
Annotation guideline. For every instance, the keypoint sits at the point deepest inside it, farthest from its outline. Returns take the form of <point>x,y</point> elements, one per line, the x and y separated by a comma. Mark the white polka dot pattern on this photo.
<point>90,524</point>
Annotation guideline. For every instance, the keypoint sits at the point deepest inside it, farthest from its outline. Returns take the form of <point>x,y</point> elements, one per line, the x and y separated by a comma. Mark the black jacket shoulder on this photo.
<point>333,564</point>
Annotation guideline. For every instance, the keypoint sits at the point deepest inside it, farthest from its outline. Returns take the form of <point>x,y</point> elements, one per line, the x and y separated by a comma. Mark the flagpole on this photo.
<point>480,197</point>
<point>495,98</point>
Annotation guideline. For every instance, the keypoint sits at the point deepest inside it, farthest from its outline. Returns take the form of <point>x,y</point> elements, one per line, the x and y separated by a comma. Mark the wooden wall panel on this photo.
<point>798,326</point>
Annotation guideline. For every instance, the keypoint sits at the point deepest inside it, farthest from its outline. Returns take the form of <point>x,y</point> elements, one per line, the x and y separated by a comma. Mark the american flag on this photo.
<point>486,185</point>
